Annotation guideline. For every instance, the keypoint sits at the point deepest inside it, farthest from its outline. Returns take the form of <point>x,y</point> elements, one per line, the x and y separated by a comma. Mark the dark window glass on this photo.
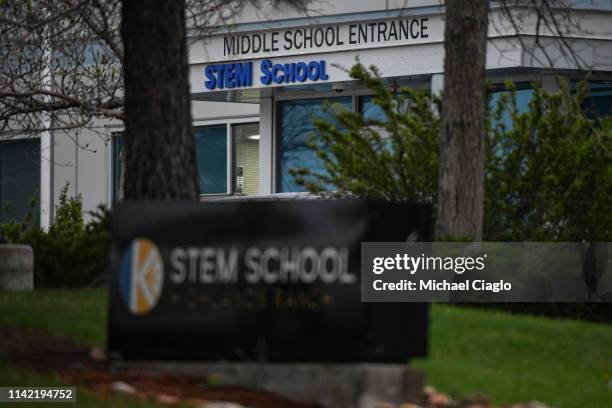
<point>19,179</point>
<point>599,102</point>
<point>295,130</point>
<point>211,149</point>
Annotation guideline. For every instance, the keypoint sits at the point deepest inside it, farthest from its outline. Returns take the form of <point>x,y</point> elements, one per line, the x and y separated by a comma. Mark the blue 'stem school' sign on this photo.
<point>258,280</point>
<point>240,74</point>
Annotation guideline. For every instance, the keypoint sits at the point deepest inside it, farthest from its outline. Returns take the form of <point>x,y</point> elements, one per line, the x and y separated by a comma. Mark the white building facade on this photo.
<point>257,83</point>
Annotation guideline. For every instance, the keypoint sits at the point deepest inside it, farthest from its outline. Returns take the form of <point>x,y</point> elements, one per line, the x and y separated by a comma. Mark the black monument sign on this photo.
<point>258,281</point>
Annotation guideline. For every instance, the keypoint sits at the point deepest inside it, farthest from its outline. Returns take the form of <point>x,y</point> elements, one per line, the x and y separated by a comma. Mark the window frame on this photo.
<point>232,166</point>
<point>229,150</point>
<point>228,162</point>
<point>355,92</point>
<point>276,156</point>
<point>228,122</point>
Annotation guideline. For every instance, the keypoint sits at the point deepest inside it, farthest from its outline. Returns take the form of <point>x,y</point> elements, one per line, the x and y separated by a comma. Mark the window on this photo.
<point>246,158</point>
<point>295,130</point>
<point>523,93</point>
<point>211,151</point>
<point>599,101</point>
<point>370,110</point>
<point>19,179</point>
<point>212,159</point>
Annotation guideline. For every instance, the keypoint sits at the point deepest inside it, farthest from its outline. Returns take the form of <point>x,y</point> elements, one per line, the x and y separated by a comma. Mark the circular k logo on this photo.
<point>141,276</point>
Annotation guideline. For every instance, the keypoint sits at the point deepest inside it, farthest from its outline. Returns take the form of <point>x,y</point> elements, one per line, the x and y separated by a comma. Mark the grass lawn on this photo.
<point>564,363</point>
<point>79,315</point>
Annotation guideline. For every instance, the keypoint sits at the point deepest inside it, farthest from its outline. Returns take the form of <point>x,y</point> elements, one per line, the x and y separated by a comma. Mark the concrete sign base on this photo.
<point>332,385</point>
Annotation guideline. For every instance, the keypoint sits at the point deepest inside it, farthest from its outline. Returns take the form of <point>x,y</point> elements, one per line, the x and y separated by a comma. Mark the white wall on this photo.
<point>201,110</point>
<point>318,8</point>
<point>64,163</point>
<point>82,159</point>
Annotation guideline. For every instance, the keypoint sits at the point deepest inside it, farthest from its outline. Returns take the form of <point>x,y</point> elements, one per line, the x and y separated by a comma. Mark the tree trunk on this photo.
<point>462,135</point>
<point>160,159</point>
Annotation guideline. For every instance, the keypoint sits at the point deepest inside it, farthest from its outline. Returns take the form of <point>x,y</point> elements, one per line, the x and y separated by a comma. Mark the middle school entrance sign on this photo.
<point>255,280</point>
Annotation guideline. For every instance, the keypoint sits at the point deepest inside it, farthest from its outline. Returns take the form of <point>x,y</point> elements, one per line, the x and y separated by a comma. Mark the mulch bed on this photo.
<point>75,365</point>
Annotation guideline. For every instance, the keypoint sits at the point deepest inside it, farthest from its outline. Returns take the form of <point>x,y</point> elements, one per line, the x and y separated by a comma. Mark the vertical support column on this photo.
<point>77,146</point>
<point>46,151</point>
<point>266,145</point>
<point>229,159</point>
<point>108,168</point>
<point>550,83</point>
<point>46,179</point>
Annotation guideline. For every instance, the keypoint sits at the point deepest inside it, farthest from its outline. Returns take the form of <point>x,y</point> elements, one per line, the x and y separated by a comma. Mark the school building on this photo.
<point>257,82</point>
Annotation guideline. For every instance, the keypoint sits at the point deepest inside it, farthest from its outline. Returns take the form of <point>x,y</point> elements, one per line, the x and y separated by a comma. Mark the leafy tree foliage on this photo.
<point>394,158</point>
<point>548,170</point>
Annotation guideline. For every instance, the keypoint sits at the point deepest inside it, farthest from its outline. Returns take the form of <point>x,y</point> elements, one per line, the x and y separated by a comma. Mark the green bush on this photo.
<point>391,159</point>
<point>548,174</point>
<point>71,253</point>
